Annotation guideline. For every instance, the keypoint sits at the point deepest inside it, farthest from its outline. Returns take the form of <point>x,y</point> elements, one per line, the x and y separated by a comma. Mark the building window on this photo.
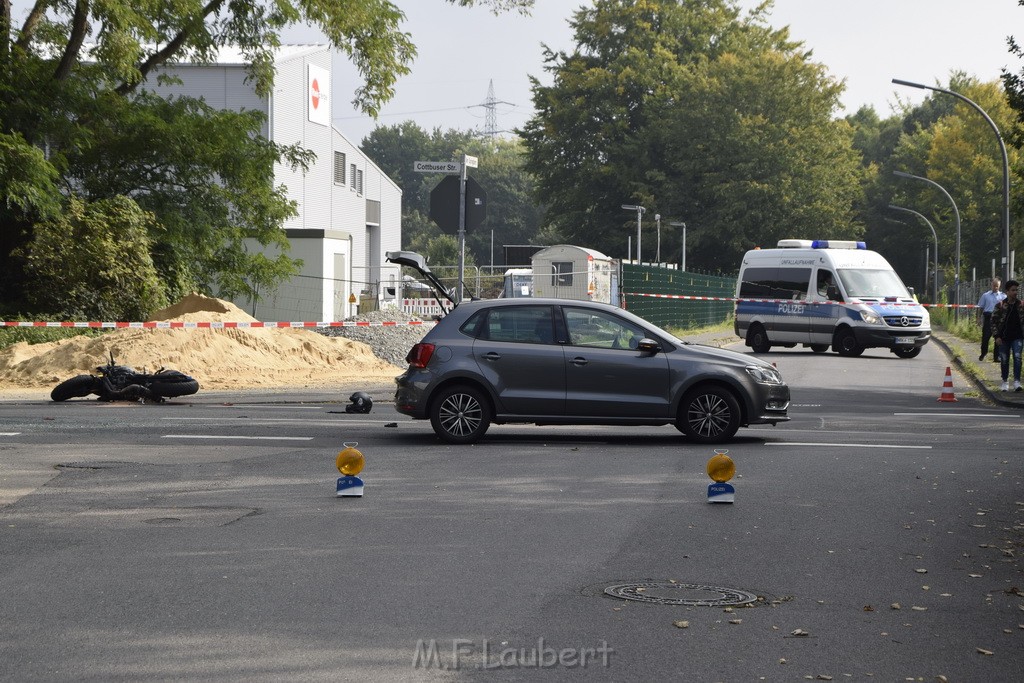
<point>339,168</point>
<point>561,273</point>
<point>352,175</point>
<point>359,182</point>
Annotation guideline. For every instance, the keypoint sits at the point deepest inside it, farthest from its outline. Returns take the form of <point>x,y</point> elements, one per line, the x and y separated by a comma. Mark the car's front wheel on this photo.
<point>709,415</point>
<point>460,415</point>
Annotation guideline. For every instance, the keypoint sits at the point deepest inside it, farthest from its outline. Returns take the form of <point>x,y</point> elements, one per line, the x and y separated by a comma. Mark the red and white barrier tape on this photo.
<point>177,324</point>
<point>787,301</point>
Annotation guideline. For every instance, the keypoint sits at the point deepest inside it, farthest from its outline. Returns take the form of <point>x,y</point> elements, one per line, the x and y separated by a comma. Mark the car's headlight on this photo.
<point>871,318</point>
<point>764,375</point>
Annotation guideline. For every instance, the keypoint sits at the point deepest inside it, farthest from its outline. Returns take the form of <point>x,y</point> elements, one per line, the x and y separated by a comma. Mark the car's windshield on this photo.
<point>863,282</point>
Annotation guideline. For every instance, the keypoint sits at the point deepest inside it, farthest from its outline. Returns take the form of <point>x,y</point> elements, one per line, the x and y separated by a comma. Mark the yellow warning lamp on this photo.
<point>721,468</point>
<point>350,462</point>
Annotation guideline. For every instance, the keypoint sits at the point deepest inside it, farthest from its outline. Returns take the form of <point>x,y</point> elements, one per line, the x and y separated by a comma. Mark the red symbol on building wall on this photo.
<point>316,94</point>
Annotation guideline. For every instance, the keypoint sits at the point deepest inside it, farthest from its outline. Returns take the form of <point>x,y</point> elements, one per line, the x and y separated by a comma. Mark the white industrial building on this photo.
<point>349,211</point>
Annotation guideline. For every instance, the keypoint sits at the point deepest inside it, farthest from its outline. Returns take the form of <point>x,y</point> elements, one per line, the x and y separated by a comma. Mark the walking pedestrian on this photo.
<point>1008,331</point>
<point>986,304</point>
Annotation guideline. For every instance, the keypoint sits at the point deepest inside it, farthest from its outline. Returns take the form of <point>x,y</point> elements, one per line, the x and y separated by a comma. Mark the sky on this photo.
<point>867,43</point>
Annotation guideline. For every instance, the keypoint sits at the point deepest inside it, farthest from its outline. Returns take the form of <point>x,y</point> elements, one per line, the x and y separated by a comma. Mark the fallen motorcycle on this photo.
<point>114,382</point>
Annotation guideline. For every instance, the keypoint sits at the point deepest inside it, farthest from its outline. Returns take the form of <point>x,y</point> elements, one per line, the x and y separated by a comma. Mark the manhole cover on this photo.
<point>669,593</point>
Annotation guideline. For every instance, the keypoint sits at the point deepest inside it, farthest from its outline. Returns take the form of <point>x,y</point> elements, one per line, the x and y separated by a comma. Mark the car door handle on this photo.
<point>579,361</point>
<point>491,355</point>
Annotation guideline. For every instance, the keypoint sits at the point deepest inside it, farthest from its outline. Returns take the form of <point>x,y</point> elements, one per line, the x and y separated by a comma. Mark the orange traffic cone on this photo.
<point>947,388</point>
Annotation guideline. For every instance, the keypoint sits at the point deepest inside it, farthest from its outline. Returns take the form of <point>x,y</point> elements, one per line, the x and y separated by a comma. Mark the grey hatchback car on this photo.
<point>557,361</point>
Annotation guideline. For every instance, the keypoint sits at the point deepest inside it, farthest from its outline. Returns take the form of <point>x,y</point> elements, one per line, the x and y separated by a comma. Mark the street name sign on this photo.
<point>450,167</point>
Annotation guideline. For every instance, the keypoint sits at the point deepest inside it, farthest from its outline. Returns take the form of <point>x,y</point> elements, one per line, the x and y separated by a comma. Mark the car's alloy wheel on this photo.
<point>709,415</point>
<point>460,415</point>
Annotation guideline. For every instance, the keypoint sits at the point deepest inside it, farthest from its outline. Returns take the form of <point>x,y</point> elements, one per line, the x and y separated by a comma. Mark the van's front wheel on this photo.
<point>911,352</point>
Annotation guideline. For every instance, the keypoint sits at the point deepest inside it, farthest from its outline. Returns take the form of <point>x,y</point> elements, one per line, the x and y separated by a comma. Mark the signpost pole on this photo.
<point>467,162</point>
<point>462,230</point>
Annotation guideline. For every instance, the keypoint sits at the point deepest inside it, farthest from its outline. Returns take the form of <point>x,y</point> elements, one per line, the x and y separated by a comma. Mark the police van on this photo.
<point>822,293</point>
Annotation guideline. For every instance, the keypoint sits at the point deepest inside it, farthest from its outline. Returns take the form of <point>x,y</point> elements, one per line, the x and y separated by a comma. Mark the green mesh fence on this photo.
<point>638,281</point>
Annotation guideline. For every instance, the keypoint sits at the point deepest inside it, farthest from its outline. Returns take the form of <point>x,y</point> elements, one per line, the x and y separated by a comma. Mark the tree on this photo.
<point>512,211</point>
<point>94,261</point>
<point>204,174</point>
<point>699,114</point>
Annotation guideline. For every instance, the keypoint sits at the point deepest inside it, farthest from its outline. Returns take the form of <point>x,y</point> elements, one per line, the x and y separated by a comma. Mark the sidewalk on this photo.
<point>983,373</point>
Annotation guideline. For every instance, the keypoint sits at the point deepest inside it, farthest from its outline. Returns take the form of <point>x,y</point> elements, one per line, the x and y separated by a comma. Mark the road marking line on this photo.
<point>253,438</point>
<point>9,433</point>
<point>842,445</point>
<point>269,407</point>
<point>956,415</point>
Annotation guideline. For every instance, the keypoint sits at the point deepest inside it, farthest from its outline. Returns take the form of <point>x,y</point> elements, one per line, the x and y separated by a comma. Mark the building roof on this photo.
<point>232,55</point>
<point>592,253</point>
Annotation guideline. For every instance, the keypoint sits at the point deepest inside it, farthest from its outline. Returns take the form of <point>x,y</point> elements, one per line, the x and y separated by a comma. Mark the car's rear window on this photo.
<point>522,324</point>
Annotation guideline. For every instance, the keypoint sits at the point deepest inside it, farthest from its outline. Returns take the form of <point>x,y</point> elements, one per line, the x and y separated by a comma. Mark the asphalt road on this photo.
<point>879,532</point>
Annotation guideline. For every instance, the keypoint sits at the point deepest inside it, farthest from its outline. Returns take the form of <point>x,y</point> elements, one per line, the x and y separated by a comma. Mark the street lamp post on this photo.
<point>935,236</point>
<point>1006,167</point>
<point>639,213</point>
<point>956,213</point>
<point>678,224</point>
<point>657,253</point>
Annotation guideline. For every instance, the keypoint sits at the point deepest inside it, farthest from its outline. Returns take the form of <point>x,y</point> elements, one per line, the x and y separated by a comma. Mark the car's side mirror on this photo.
<point>646,345</point>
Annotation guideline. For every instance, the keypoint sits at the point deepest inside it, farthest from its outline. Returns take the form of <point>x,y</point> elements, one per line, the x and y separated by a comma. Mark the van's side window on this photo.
<point>827,285</point>
<point>775,283</point>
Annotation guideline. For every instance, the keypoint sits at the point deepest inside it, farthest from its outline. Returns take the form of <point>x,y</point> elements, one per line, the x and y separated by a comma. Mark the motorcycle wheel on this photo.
<point>173,384</point>
<point>76,387</point>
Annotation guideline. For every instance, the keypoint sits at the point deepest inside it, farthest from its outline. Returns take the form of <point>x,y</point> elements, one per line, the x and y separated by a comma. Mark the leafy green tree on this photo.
<point>946,141</point>
<point>94,261</point>
<point>698,113</point>
<point>205,175</point>
<point>512,211</point>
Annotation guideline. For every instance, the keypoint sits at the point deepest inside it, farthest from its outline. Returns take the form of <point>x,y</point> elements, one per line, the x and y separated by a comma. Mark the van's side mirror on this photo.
<point>832,293</point>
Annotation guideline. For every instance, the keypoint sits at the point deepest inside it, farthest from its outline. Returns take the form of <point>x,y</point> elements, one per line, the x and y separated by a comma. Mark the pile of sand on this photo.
<point>219,359</point>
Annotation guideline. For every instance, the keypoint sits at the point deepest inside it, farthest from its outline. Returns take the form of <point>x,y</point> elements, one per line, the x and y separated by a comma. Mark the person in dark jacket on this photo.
<point>1008,332</point>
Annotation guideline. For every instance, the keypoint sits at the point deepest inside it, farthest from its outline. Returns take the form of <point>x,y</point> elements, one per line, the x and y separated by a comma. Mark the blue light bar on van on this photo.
<point>838,244</point>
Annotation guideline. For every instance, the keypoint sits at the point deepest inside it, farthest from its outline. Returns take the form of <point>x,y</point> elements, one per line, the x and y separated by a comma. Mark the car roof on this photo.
<point>537,301</point>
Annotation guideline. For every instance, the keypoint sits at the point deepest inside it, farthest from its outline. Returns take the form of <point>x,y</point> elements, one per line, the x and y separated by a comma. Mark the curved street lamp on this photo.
<point>1006,168</point>
<point>956,213</point>
<point>935,236</point>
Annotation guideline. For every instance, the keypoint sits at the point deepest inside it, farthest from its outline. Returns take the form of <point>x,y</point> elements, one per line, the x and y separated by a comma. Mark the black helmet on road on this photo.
<point>361,403</point>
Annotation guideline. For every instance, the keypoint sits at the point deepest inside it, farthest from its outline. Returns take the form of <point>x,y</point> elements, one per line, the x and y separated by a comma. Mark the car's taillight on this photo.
<point>420,355</point>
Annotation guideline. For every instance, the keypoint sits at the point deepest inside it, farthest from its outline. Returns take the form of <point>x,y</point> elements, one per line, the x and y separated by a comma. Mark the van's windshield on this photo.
<point>861,282</point>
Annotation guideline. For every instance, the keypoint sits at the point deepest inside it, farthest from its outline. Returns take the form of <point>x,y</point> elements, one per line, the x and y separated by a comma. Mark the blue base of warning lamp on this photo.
<point>721,493</point>
<point>350,486</point>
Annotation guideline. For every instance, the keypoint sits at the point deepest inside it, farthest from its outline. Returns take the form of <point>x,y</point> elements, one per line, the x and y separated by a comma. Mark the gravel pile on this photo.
<point>390,344</point>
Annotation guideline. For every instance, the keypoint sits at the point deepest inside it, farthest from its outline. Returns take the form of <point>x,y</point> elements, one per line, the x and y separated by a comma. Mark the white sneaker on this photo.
<point>1016,385</point>
<point>1004,387</point>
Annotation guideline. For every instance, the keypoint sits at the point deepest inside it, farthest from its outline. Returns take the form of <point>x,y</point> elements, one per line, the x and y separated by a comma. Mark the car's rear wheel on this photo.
<point>819,348</point>
<point>904,352</point>
<point>460,415</point>
<point>757,338</point>
<point>709,414</point>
